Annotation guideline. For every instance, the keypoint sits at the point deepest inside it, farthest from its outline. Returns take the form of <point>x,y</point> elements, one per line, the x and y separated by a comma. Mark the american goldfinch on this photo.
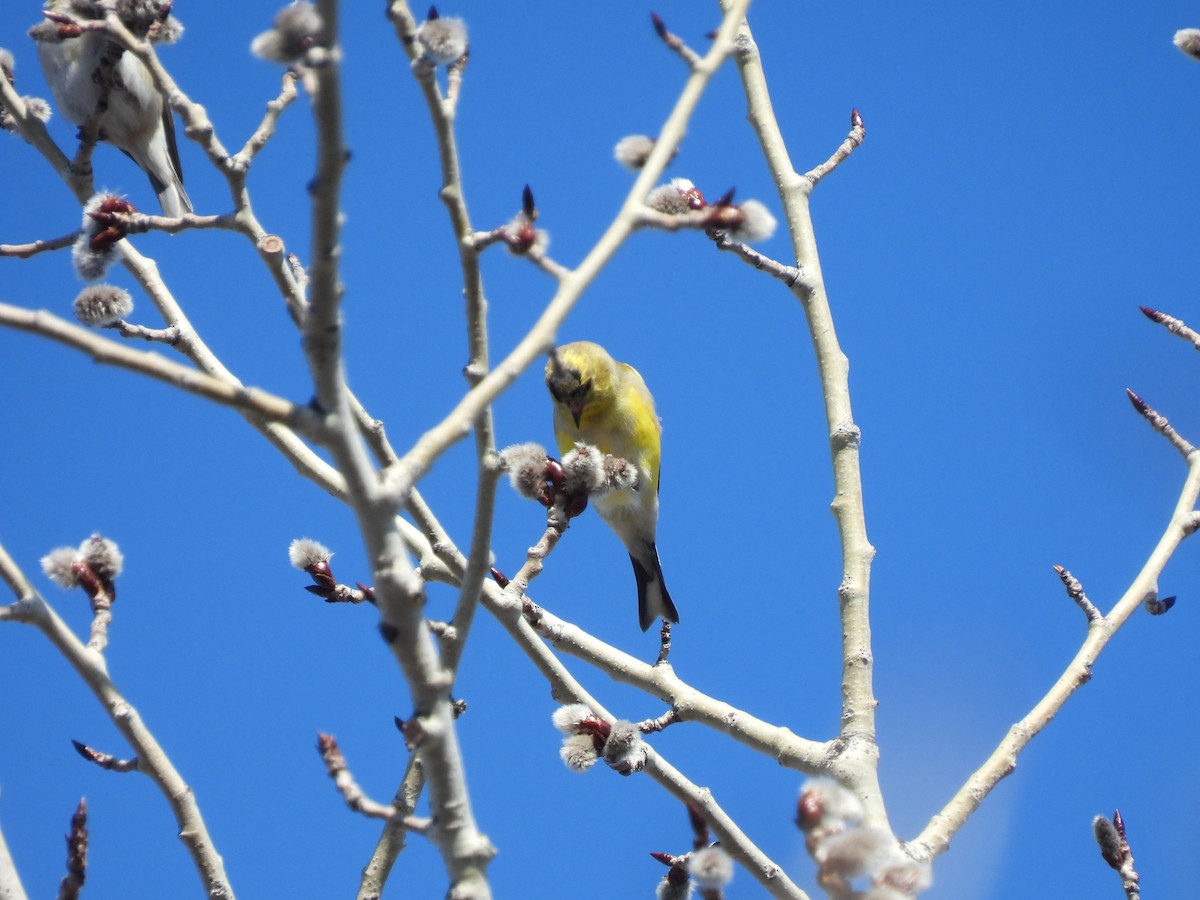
<point>605,403</point>
<point>137,121</point>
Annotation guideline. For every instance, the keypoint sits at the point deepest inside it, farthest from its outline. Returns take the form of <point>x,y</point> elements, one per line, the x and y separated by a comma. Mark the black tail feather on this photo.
<point>654,602</point>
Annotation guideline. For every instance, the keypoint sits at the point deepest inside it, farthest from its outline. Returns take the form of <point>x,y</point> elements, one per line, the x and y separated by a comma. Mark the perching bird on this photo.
<point>138,122</point>
<point>605,403</point>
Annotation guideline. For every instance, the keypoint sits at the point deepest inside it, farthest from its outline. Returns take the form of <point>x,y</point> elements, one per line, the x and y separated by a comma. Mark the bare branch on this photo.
<point>31,609</point>
<point>392,840</point>
<point>105,760</point>
<point>858,762</point>
<point>1160,424</point>
<point>250,400</point>
<point>1173,325</point>
<point>675,42</point>
<point>852,142</point>
<point>355,797</point>
<point>935,837</point>
<point>266,129</point>
<point>24,251</point>
<point>1075,592</point>
<point>789,275</point>
<point>10,881</point>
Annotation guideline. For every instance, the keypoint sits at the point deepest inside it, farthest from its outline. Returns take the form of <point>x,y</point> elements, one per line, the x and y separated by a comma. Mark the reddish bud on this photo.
<point>527,205</point>
<point>1153,314</point>
<point>499,577</point>
<point>85,751</point>
<point>665,858</point>
<point>808,810</point>
<point>660,27</point>
<point>575,505</point>
<point>1157,607</point>
<point>110,205</point>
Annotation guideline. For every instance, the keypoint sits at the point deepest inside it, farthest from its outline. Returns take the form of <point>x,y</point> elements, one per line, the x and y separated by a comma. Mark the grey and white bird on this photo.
<point>79,66</point>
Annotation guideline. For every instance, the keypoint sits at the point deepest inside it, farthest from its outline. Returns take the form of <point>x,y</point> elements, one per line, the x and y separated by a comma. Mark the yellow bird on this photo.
<point>605,403</point>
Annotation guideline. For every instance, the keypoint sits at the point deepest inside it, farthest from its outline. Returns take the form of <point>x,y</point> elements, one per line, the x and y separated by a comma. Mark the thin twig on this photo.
<point>169,336</point>
<point>24,251</point>
<point>935,837</point>
<point>789,275</point>
<point>1160,424</point>
<point>266,128</point>
<point>1173,325</point>
<point>1075,592</point>
<point>32,609</point>
<point>109,352</point>
<point>394,836</point>
<point>106,761</point>
<point>852,142</point>
<point>355,797</point>
<point>675,42</point>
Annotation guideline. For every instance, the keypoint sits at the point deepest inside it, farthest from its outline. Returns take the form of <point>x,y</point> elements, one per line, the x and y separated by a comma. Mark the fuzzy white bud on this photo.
<point>526,468</point>
<point>579,752</point>
<point>103,555</point>
<point>855,852</point>
<point>710,868</point>
<point>829,805</point>
<point>625,750</point>
<point>668,890</point>
<point>38,108</point>
<point>676,198</point>
<point>442,41</point>
<point>882,892</point>
<point>59,566</point>
<point>98,305</point>
<point>757,223</point>
<point>91,264</point>
<point>583,470</point>
<point>904,874</point>
<point>567,718</point>
<point>620,474</point>
<point>1188,41</point>
<point>295,29</point>
<point>633,150</point>
<point>94,251</point>
<point>305,552</point>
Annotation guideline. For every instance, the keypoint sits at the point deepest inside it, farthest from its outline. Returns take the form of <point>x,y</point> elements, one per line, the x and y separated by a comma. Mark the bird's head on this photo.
<point>576,373</point>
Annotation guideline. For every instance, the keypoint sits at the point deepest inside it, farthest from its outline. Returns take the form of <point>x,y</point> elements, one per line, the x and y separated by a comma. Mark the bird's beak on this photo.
<point>576,412</point>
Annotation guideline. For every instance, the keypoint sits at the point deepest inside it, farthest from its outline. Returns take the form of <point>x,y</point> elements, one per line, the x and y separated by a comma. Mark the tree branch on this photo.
<point>31,609</point>
<point>935,837</point>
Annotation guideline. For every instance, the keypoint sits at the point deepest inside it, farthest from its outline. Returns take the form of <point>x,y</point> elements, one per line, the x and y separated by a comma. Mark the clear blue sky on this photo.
<point>1029,178</point>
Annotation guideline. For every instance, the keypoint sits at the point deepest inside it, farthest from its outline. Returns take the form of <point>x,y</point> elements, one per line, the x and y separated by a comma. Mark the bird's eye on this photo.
<point>580,392</point>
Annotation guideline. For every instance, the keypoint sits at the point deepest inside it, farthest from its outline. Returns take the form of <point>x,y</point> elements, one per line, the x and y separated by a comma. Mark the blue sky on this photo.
<point>1028,180</point>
